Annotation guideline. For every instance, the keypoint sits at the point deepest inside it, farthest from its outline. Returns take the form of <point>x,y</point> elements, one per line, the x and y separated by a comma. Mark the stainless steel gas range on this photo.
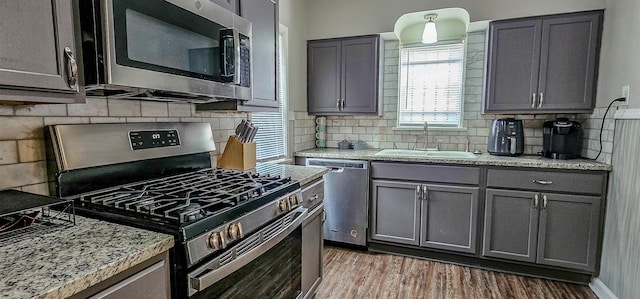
<point>238,234</point>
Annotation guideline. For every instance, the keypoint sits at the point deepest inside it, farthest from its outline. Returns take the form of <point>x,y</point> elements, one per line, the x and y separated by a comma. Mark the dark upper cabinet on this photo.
<point>543,65</point>
<point>343,75</point>
<point>37,52</point>
<point>263,15</point>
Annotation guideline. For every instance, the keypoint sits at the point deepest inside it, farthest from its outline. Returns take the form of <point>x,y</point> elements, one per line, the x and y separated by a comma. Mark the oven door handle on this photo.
<point>198,283</point>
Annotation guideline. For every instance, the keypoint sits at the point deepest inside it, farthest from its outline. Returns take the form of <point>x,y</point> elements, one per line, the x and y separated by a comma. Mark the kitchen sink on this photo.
<point>425,154</point>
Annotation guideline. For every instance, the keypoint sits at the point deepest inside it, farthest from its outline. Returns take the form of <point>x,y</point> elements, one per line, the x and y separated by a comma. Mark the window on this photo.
<point>431,80</point>
<point>271,138</point>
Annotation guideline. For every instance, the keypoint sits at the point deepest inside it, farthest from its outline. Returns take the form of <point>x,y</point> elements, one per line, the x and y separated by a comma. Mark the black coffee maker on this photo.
<point>562,139</point>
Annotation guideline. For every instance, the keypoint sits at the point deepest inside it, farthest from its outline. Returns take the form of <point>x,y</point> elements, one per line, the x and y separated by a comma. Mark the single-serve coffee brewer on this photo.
<point>506,137</point>
<point>562,139</point>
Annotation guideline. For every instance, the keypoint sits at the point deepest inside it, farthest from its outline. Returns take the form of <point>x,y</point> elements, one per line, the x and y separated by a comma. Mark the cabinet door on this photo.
<point>231,5</point>
<point>359,84</point>
<point>323,80</point>
<point>512,69</point>
<point>510,225</point>
<point>449,218</point>
<point>395,211</point>
<point>263,15</point>
<point>569,231</point>
<point>33,37</point>
<point>312,246</point>
<point>568,62</point>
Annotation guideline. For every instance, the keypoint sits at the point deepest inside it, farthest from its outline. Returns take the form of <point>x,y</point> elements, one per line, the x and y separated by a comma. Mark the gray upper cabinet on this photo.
<point>543,65</point>
<point>343,75</point>
<point>37,52</point>
<point>554,219</point>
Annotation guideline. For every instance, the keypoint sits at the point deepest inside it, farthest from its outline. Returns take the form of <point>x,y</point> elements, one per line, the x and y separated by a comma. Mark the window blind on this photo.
<point>431,85</point>
<point>271,138</point>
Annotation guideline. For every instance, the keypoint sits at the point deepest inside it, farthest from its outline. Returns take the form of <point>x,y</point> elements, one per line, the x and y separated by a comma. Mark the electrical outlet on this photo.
<point>626,90</point>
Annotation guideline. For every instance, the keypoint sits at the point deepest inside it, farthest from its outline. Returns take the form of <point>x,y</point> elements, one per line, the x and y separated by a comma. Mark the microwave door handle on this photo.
<point>236,57</point>
<point>226,72</point>
<point>198,283</point>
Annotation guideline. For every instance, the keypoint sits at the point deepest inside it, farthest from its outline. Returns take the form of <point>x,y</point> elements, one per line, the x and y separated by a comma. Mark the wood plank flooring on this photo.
<point>359,274</point>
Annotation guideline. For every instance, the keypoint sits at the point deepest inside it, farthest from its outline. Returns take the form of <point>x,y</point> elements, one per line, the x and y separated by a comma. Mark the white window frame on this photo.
<point>420,126</point>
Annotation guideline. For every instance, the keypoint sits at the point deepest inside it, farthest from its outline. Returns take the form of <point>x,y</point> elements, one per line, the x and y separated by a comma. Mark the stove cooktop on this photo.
<point>186,198</point>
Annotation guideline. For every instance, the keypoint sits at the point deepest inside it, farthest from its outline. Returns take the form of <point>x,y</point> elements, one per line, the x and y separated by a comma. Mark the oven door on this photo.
<point>176,46</point>
<point>266,264</point>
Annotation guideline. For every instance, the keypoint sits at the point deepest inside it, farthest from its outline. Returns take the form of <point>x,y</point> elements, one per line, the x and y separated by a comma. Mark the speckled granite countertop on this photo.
<point>483,159</point>
<point>64,262</point>
<point>302,174</point>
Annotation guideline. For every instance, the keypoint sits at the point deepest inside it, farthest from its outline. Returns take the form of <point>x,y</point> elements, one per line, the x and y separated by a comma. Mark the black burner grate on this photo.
<point>187,197</point>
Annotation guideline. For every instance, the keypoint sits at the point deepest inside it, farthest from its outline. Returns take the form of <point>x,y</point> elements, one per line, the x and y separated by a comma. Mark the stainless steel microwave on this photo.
<point>165,49</point>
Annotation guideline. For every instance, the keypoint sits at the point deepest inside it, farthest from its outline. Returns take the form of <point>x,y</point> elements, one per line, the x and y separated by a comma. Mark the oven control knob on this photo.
<point>295,200</point>
<point>283,205</point>
<point>217,241</point>
<point>235,231</point>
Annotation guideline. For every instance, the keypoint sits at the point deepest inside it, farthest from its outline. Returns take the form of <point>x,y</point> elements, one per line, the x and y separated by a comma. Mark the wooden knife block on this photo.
<point>238,155</point>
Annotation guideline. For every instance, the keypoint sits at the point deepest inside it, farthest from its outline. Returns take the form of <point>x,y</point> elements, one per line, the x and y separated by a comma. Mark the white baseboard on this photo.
<point>601,290</point>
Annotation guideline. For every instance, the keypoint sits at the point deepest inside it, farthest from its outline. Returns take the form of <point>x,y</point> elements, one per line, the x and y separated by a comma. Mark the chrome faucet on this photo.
<point>425,146</point>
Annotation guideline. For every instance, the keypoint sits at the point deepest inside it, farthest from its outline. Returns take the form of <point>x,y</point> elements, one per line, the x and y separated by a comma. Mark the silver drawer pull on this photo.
<point>544,202</point>
<point>536,201</point>
<point>533,100</point>
<point>541,182</point>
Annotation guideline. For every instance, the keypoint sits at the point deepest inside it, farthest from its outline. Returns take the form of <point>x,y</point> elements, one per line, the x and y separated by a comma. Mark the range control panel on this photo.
<point>152,139</point>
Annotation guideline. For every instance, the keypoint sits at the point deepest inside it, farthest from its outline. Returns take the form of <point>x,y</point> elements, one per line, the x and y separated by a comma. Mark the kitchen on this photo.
<point>22,144</point>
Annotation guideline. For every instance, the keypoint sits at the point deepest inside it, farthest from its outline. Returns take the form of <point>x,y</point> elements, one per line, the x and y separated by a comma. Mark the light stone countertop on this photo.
<point>302,174</point>
<point>66,261</point>
<point>482,159</point>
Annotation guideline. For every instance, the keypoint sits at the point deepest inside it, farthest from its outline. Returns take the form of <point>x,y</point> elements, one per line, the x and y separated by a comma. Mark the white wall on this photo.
<point>333,18</point>
<point>293,16</point>
<point>619,60</point>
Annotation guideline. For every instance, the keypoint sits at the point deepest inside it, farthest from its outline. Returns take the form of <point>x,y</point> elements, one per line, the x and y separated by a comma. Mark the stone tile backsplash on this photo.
<point>22,149</point>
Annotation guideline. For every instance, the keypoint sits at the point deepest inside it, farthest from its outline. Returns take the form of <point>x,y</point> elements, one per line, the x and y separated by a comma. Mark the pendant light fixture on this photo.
<point>430,34</point>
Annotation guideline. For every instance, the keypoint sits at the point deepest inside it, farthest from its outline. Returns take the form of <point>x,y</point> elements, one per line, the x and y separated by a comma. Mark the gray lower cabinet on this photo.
<point>312,246</point>
<point>542,227</point>
<point>343,75</point>
<point>312,238</point>
<point>37,52</point>
<point>543,64</point>
<point>149,279</point>
<point>426,215</point>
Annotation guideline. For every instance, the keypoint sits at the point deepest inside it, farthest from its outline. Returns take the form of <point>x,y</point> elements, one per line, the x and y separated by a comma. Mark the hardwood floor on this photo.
<point>359,274</point>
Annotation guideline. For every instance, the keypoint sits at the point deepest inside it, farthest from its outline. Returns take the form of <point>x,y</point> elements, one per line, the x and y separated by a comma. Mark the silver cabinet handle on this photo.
<point>342,105</point>
<point>536,201</point>
<point>541,182</point>
<point>533,100</point>
<point>419,192</point>
<point>544,202</point>
<point>338,104</point>
<point>72,68</point>
<point>541,100</point>
<point>425,191</point>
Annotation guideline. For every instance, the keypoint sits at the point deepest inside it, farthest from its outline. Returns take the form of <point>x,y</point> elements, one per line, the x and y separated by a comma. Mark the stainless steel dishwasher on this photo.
<point>346,196</point>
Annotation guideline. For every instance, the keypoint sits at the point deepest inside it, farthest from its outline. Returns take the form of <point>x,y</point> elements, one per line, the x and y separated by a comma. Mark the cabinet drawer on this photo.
<point>313,194</point>
<point>545,180</point>
<point>426,173</point>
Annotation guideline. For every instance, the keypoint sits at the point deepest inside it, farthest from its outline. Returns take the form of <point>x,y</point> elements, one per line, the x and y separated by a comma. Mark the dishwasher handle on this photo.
<point>336,169</point>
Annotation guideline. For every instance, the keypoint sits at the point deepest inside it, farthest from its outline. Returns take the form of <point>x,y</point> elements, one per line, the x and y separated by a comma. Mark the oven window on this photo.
<point>275,274</point>
<point>159,36</point>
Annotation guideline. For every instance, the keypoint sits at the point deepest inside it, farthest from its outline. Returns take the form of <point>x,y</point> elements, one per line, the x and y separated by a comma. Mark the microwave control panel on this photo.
<point>152,139</point>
